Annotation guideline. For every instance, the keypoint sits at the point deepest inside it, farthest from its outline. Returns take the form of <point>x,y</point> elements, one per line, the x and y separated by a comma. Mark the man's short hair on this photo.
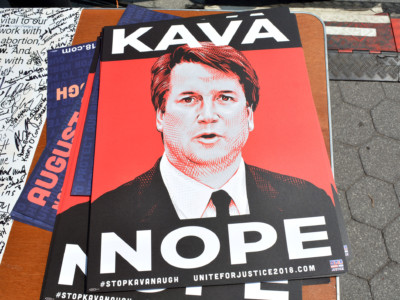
<point>224,58</point>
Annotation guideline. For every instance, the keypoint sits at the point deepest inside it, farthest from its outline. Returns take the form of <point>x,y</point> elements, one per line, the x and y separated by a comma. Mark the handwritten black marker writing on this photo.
<point>4,206</point>
<point>3,147</point>
<point>5,219</point>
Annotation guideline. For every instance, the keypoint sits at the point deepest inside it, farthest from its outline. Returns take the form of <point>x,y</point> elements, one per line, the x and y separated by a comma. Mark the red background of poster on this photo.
<point>287,138</point>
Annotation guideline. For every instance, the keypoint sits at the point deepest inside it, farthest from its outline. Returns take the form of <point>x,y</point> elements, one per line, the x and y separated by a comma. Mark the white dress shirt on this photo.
<point>191,199</point>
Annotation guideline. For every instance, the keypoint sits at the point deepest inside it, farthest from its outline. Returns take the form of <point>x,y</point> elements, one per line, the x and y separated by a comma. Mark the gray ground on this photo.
<point>366,136</point>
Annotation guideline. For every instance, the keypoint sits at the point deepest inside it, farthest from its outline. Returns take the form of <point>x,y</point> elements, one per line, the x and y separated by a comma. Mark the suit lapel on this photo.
<point>262,196</point>
<point>159,206</point>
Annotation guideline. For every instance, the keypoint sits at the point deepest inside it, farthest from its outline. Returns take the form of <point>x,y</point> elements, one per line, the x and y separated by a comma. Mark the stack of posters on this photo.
<point>67,74</point>
<point>187,110</point>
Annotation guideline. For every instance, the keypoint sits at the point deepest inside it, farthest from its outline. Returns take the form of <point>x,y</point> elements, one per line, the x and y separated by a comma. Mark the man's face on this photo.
<point>206,120</point>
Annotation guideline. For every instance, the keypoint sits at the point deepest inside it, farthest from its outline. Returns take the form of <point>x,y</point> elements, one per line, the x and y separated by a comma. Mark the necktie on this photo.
<point>221,201</point>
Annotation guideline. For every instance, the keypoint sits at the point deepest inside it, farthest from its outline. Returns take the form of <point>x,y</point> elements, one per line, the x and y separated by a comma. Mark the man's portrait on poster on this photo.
<point>205,100</point>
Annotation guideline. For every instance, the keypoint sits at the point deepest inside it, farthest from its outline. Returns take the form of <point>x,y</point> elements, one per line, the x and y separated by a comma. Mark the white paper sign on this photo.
<point>25,36</point>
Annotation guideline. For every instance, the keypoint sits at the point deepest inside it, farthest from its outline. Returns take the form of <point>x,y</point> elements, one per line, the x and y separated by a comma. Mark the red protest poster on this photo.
<point>191,107</point>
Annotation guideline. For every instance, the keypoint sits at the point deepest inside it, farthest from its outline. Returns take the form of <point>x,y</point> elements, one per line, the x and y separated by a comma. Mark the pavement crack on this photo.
<point>372,200</point>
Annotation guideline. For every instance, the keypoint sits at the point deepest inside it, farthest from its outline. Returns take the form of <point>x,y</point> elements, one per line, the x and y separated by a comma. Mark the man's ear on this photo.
<point>159,120</point>
<point>250,118</point>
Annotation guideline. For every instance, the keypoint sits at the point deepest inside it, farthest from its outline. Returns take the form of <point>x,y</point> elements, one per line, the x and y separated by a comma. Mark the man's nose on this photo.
<point>208,112</point>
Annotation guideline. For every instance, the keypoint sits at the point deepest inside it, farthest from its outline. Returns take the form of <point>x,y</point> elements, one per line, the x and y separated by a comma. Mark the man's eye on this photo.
<point>226,98</point>
<point>188,99</point>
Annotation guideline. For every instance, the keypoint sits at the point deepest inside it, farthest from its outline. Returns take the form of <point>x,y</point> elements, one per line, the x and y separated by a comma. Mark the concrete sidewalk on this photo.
<point>366,147</point>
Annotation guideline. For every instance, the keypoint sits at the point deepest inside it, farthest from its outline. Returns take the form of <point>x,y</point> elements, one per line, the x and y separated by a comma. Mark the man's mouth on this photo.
<point>208,138</point>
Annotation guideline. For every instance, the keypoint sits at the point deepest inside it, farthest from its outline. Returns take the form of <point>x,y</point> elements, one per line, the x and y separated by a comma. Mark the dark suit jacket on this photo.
<point>146,197</point>
<point>144,203</point>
